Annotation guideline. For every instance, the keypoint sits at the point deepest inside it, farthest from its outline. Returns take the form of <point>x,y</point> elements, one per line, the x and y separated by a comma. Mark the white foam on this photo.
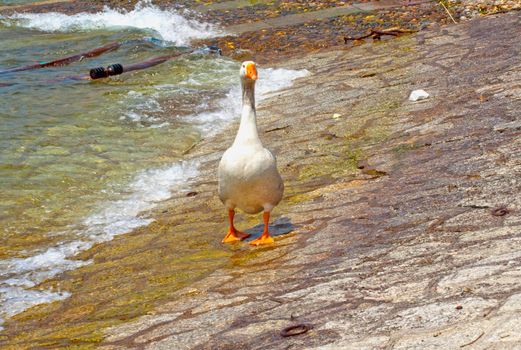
<point>18,274</point>
<point>275,79</point>
<point>16,299</point>
<point>148,188</point>
<point>32,270</point>
<point>169,24</point>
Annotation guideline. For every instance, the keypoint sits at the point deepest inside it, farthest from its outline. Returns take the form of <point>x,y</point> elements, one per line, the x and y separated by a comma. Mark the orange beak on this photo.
<point>251,71</point>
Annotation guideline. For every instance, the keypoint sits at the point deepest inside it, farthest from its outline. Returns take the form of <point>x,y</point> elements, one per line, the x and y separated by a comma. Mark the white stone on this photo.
<point>417,95</point>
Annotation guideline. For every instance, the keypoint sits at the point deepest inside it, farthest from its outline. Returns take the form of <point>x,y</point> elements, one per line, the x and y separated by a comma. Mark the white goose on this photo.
<point>248,176</point>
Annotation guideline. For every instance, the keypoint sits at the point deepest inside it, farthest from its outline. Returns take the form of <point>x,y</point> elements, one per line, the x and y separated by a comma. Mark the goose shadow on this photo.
<point>278,227</point>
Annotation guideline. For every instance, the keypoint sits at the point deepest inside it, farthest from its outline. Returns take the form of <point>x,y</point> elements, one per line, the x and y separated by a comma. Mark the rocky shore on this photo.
<point>406,215</point>
<point>403,217</point>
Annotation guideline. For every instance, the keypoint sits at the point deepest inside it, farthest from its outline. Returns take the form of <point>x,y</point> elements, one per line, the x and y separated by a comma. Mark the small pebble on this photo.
<point>459,307</point>
<point>417,95</point>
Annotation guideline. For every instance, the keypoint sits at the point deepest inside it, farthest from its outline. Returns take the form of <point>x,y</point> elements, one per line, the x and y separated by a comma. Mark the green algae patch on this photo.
<point>299,198</point>
<point>334,164</point>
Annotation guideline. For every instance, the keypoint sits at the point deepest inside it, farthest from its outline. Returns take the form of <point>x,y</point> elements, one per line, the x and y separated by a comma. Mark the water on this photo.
<point>16,2</point>
<point>80,161</point>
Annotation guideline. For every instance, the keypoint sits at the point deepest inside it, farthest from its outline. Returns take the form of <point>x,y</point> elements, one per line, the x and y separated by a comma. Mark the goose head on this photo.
<point>248,71</point>
<point>248,77</point>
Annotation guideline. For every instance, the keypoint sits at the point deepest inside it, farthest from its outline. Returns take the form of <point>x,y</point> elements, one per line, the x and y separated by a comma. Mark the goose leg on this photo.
<point>234,235</point>
<point>265,238</point>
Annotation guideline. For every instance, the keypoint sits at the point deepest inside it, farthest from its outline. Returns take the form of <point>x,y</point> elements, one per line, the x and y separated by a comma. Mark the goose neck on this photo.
<point>248,94</point>
<point>248,128</point>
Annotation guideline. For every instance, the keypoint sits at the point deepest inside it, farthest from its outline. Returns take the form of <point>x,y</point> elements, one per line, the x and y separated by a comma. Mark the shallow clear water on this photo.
<point>66,145</point>
<point>80,161</point>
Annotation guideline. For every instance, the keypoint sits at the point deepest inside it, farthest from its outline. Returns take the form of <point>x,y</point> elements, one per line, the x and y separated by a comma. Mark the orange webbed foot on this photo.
<point>234,236</point>
<point>262,240</point>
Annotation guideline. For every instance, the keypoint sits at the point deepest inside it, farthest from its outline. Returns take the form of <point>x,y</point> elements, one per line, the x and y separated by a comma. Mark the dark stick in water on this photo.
<point>67,60</point>
<point>116,69</point>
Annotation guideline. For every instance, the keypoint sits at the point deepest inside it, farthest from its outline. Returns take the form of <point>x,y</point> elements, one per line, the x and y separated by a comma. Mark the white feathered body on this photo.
<point>248,178</point>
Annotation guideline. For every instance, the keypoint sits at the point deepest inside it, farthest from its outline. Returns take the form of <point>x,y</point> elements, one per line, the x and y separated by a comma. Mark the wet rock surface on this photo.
<point>406,215</point>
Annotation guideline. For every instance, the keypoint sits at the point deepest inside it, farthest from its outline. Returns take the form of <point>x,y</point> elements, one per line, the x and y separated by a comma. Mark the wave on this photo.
<point>169,24</point>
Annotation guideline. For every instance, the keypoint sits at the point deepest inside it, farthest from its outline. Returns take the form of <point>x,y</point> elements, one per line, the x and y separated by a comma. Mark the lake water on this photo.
<point>80,161</point>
